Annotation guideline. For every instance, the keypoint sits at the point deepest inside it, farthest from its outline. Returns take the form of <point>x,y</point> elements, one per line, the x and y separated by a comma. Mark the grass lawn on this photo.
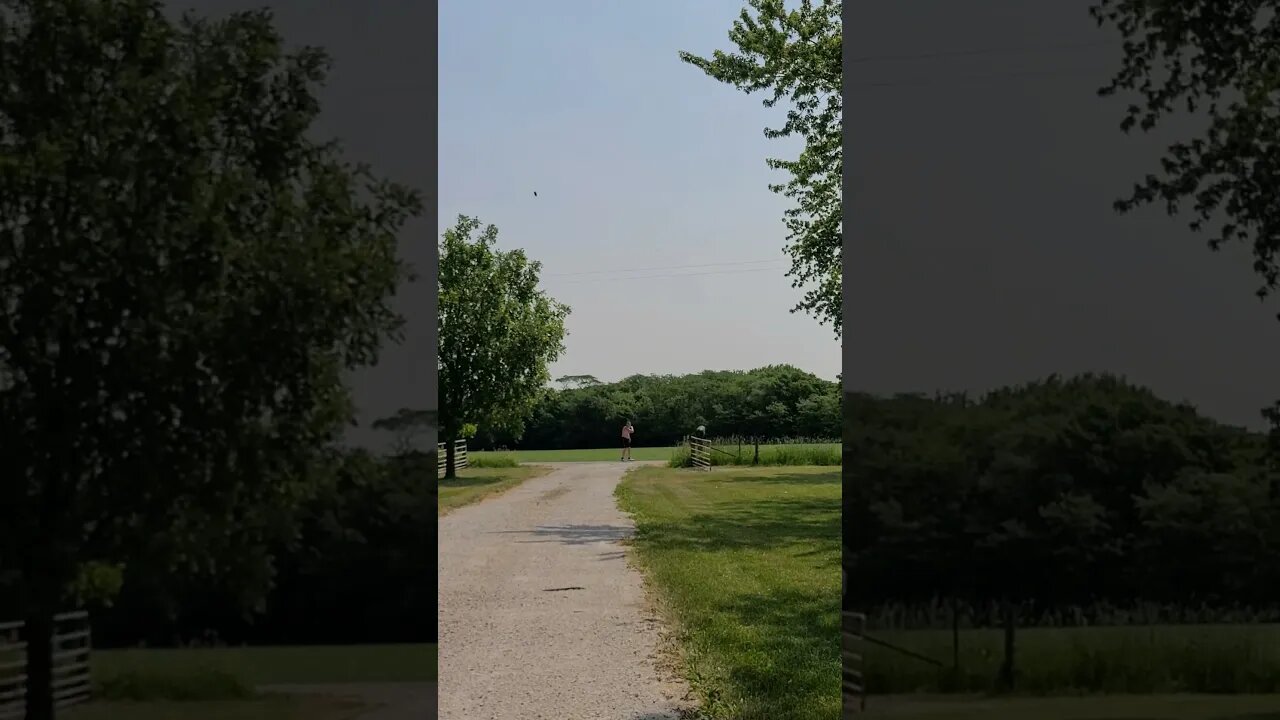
<point>201,675</point>
<point>267,708</point>
<point>596,455</point>
<point>743,561</point>
<point>277,665</point>
<point>475,484</point>
<point>1121,707</point>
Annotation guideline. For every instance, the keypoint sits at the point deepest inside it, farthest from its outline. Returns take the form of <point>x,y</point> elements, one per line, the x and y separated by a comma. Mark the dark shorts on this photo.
<point>626,442</point>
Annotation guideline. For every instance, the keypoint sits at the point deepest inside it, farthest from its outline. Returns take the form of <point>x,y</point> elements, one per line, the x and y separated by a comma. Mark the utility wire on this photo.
<point>975,52</point>
<point>673,276</point>
<point>668,267</point>
<point>980,77</point>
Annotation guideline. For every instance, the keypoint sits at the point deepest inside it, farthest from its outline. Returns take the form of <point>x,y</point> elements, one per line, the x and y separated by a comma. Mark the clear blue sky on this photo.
<point>643,167</point>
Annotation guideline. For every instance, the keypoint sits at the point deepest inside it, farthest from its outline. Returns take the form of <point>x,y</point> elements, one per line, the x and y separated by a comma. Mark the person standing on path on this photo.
<point>626,440</point>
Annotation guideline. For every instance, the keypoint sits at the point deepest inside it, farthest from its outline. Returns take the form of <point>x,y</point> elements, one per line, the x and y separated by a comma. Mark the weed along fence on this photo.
<point>71,678</point>
<point>442,457</point>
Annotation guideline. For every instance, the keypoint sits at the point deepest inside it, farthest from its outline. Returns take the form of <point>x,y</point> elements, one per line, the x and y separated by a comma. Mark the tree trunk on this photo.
<point>756,460</point>
<point>450,469</point>
<point>39,638</point>
<point>1008,669</point>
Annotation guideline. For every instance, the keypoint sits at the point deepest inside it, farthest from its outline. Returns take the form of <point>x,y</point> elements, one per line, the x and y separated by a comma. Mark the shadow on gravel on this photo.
<point>572,534</point>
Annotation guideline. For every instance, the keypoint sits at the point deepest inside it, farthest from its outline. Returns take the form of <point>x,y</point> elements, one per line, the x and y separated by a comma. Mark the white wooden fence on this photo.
<point>72,682</point>
<point>854,691</point>
<point>700,452</point>
<point>442,458</point>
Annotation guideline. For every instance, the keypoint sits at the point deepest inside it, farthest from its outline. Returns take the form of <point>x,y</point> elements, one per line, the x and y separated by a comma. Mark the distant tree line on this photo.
<point>1058,495</point>
<point>772,402</point>
<point>1062,492</point>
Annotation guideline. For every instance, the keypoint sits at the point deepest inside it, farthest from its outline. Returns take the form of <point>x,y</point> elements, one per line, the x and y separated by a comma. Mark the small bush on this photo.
<point>200,685</point>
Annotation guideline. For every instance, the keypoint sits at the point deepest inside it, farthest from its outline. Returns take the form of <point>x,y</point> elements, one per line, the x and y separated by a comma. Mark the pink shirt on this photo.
<point>626,431</point>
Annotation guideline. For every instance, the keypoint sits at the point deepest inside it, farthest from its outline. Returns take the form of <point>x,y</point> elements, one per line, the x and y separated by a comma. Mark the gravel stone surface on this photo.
<point>541,616</point>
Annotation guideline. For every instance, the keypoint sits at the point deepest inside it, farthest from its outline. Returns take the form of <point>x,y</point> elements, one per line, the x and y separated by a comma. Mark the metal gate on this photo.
<point>700,452</point>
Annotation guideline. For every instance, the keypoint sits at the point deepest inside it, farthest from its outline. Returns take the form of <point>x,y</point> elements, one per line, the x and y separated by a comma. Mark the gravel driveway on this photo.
<point>541,618</point>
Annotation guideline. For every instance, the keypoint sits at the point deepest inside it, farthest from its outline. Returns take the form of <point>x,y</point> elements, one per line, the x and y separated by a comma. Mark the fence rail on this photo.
<point>442,457</point>
<point>72,680</point>
<point>854,630</point>
<point>700,452</point>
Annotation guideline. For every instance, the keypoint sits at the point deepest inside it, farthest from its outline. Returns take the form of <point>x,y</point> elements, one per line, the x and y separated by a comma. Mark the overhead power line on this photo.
<point>671,276</point>
<point>976,52</point>
<point>982,77</point>
<point>667,267</point>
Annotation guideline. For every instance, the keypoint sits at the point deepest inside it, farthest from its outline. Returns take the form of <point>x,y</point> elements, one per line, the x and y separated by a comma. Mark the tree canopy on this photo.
<point>1215,60</point>
<point>795,56</point>
<point>498,334</point>
<point>185,277</point>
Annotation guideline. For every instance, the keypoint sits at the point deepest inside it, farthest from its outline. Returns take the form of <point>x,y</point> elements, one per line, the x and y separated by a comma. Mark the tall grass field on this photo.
<point>1109,707</point>
<point>1065,661</point>
<point>728,452</point>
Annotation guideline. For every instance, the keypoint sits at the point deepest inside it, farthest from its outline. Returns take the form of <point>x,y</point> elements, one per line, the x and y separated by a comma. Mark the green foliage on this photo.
<point>97,583</point>
<point>357,554</point>
<point>498,332</point>
<point>1061,493</point>
<point>1214,60</point>
<point>1192,56</point>
<point>1053,501</point>
<point>795,55</point>
<point>770,402</point>
<point>186,276</point>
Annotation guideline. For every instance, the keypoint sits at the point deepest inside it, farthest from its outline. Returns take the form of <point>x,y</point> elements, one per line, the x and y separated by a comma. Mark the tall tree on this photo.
<point>795,55</point>
<point>498,334</point>
<point>185,278</point>
<point>1217,59</point>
